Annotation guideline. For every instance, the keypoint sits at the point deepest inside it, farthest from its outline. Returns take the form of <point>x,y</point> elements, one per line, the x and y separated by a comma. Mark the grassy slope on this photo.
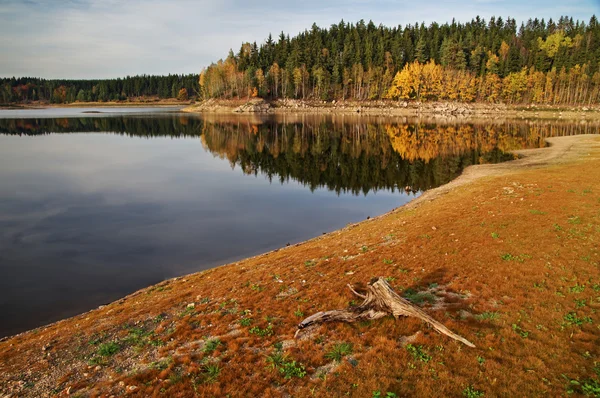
<point>510,262</point>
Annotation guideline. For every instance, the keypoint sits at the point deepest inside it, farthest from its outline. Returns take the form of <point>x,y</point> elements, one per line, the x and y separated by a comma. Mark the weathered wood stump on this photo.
<point>379,301</point>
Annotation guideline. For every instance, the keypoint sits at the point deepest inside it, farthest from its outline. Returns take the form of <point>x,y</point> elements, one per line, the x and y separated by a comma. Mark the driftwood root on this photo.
<point>379,301</point>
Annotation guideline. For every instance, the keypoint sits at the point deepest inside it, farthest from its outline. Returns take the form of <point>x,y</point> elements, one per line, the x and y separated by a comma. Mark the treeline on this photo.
<point>25,89</point>
<point>496,61</point>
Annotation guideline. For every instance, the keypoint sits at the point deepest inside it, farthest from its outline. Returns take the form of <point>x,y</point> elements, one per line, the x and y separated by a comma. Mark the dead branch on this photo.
<point>380,301</point>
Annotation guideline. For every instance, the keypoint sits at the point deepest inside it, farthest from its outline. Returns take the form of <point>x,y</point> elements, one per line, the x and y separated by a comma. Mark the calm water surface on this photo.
<point>96,205</point>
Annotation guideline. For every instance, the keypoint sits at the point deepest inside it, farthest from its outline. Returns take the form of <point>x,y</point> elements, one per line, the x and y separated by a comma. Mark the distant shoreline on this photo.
<point>112,104</point>
<point>444,110</point>
<point>433,110</point>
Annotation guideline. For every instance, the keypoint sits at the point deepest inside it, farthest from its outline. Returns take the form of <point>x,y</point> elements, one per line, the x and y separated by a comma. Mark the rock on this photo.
<point>256,105</point>
<point>191,305</point>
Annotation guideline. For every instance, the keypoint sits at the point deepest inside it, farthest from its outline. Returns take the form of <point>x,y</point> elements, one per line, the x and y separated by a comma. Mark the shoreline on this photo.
<point>528,158</point>
<point>443,110</point>
<point>562,152</point>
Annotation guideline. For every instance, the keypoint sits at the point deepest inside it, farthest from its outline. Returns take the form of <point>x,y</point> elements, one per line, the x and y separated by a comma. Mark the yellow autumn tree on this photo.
<point>431,76</point>
<point>515,86</point>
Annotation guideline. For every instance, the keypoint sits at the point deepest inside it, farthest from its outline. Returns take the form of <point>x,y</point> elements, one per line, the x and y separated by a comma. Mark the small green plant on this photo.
<point>279,361</point>
<point>574,220</point>
<point>268,331</point>
<point>338,351</point>
<point>276,359</point>
<point>292,369</point>
<point>377,394</point>
<point>471,392</point>
<point>480,360</point>
<point>175,377</point>
<point>572,319</point>
<point>388,261</point>
<point>256,287</point>
<point>520,331</point>
<point>557,227</point>
<point>418,297</point>
<point>418,353</point>
<point>159,318</point>
<point>211,345</point>
<point>390,279</point>
<point>245,321</point>
<point>138,336</point>
<point>577,288</point>
<point>211,373</point>
<point>536,212</point>
<point>299,313</point>
<point>580,303</point>
<point>108,349</point>
<point>495,235</point>
<point>310,263</point>
<point>589,387</point>
<point>364,249</point>
<point>519,258</point>
<point>161,365</point>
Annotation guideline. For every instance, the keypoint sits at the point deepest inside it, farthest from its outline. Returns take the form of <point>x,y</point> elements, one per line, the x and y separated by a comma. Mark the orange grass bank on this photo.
<point>506,256</point>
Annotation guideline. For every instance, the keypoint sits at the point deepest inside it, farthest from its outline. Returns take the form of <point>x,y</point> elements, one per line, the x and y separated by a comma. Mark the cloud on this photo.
<point>110,38</point>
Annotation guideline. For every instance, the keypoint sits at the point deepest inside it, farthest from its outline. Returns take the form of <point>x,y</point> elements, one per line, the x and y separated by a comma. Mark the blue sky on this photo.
<point>111,38</point>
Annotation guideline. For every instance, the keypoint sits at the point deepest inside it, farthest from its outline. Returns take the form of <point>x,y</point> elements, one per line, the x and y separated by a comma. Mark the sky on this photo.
<point>86,39</point>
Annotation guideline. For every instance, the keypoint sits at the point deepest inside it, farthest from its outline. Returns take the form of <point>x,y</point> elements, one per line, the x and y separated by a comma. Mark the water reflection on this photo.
<point>343,154</point>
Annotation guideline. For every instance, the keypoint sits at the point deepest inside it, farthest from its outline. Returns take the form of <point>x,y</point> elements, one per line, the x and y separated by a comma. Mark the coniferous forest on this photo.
<point>538,61</point>
<point>549,62</point>
<point>25,89</point>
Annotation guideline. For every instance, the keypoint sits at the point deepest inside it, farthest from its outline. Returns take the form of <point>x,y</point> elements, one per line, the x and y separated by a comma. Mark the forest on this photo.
<point>544,62</point>
<point>540,62</point>
<point>26,89</point>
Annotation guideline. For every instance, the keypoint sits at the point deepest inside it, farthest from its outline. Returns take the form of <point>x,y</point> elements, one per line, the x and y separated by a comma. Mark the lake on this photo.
<point>94,206</point>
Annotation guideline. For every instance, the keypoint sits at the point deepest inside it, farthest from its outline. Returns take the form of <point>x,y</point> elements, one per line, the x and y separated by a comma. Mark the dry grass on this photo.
<point>511,262</point>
